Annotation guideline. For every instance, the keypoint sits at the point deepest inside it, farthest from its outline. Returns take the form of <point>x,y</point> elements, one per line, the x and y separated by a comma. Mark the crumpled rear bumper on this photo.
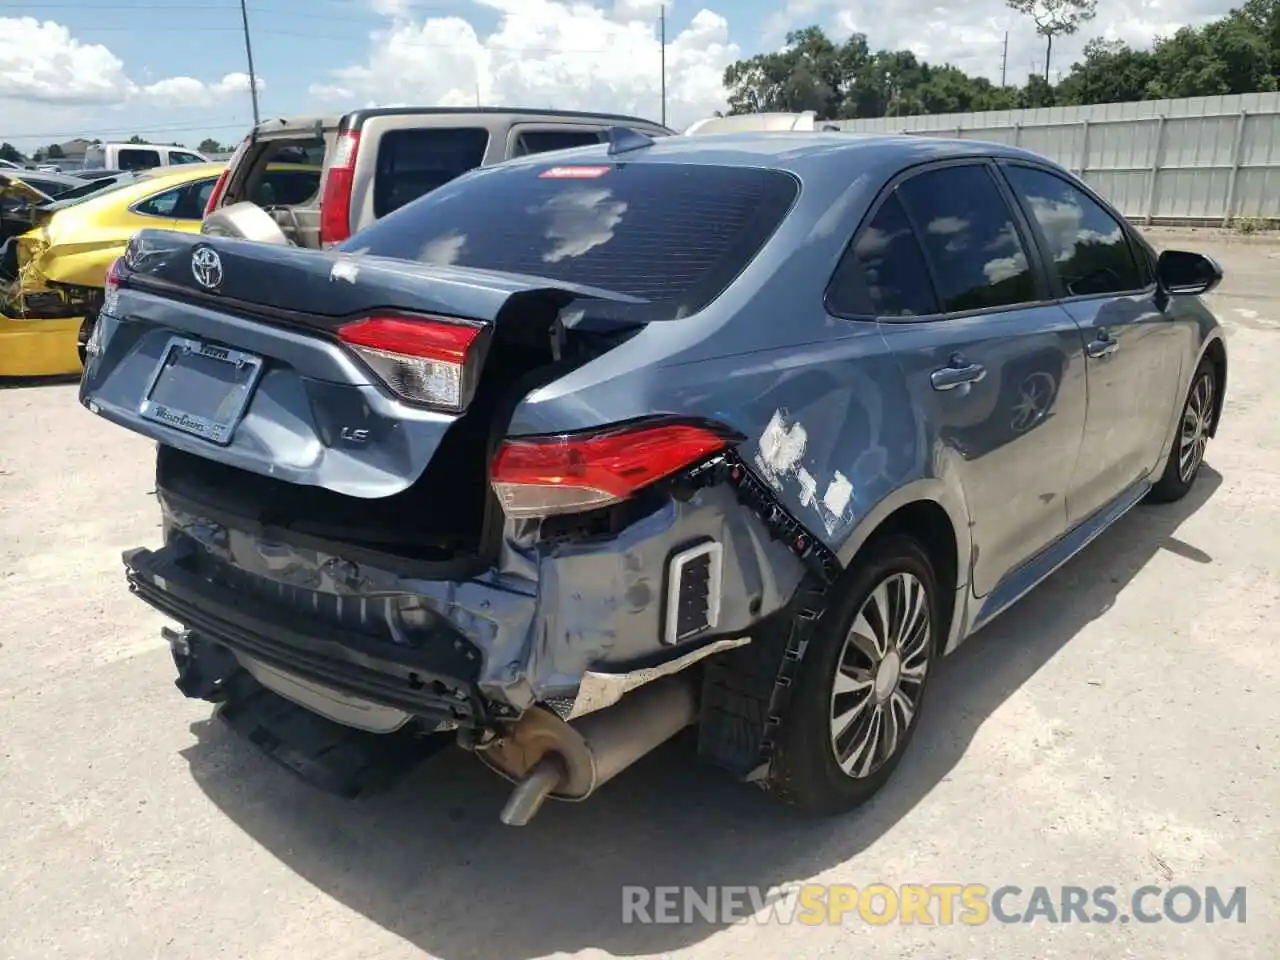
<point>570,625</point>
<point>436,679</point>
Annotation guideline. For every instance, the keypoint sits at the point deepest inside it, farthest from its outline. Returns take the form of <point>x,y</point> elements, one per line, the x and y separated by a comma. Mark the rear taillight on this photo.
<point>335,204</point>
<point>430,360</point>
<point>220,185</point>
<point>542,476</point>
<point>113,275</point>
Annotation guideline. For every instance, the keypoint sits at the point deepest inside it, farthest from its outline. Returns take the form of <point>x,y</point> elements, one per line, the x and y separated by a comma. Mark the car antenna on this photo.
<point>624,140</point>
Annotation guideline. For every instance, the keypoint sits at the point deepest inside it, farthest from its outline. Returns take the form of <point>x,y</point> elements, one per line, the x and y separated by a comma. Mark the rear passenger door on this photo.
<point>947,265</point>
<point>1134,362</point>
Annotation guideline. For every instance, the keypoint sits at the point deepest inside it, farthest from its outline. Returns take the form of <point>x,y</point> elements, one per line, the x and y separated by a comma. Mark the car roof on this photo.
<point>806,154</point>
<point>354,119</point>
<point>181,173</point>
<point>127,143</point>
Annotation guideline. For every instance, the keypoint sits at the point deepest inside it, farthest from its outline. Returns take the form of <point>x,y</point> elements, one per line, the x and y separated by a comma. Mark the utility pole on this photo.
<point>1004,58</point>
<point>662,40</point>
<point>248,49</point>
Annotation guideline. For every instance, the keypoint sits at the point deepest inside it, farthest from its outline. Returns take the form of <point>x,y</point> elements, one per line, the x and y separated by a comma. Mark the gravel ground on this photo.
<point>1117,728</point>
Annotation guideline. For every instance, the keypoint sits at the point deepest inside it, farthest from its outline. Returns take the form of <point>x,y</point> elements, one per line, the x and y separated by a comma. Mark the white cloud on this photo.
<point>190,92</point>
<point>544,54</point>
<point>42,62</point>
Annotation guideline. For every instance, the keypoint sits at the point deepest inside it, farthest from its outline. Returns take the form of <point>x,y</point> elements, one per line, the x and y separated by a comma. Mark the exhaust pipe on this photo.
<point>549,757</point>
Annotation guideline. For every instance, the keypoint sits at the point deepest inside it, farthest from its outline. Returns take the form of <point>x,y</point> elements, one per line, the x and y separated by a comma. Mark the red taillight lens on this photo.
<point>220,185</point>
<point>113,274</point>
<point>541,476</point>
<point>335,204</point>
<point>425,359</point>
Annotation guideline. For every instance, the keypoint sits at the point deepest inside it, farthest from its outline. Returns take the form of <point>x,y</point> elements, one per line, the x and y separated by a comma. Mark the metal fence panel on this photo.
<point>1199,159</point>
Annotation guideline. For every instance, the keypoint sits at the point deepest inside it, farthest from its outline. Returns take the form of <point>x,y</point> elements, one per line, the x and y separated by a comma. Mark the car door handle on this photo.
<point>957,374</point>
<point>1104,346</point>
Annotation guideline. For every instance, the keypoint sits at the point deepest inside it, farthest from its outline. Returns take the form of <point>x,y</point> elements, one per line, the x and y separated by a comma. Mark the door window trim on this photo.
<point>1035,253</point>
<point>1055,283</point>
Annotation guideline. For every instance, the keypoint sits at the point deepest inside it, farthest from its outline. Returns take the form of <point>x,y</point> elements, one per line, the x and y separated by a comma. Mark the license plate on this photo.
<point>202,389</point>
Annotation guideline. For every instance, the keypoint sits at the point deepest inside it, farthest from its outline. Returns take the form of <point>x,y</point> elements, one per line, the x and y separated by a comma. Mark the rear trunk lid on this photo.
<point>245,354</point>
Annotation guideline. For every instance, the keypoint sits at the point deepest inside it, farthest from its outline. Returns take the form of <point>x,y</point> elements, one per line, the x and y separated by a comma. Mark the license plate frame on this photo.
<point>220,427</point>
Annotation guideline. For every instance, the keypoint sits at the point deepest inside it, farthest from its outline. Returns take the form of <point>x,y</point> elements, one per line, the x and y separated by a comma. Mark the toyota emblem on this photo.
<point>206,267</point>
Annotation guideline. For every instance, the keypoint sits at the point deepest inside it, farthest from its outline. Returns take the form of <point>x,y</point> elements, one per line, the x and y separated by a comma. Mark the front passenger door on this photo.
<point>1134,363</point>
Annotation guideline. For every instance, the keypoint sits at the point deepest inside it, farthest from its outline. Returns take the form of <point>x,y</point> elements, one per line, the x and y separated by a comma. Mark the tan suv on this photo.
<point>370,162</point>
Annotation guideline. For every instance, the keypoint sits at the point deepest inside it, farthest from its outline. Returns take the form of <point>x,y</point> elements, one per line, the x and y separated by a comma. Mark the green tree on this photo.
<point>136,139</point>
<point>209,145</point>
<point>1110,72</point>
<point>1054,18</point>
<point>9,152</point>
<point>54,152</point>
<point>1239,53</point>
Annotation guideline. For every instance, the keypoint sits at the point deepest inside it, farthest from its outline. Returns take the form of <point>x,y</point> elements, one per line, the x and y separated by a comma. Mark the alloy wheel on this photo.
<point>1194,435</point>
<point>880,674</point>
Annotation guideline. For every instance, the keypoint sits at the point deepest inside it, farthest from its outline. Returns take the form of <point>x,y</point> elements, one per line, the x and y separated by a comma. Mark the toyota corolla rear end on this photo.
<point>353,517</point>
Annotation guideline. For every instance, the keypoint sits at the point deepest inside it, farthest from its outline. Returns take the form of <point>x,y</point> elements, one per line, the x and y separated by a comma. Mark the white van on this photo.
<point>138,156</point>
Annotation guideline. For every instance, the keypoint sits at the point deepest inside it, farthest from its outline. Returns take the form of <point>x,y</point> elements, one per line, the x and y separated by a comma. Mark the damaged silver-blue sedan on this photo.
<point>739,432</point>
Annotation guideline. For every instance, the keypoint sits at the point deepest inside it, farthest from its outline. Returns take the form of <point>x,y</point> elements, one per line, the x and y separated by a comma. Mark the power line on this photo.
<point>123,131</point>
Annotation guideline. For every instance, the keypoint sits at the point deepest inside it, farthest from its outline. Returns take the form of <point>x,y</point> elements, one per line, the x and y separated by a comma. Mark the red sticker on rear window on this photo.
<point>572,173</point>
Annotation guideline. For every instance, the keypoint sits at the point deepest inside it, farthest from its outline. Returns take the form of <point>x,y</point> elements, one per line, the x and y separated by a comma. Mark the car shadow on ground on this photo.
<point>15,383</point>
<point>430,862</point>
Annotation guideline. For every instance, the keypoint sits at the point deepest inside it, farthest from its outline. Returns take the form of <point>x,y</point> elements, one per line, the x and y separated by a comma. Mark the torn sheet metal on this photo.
<point>600,690</point>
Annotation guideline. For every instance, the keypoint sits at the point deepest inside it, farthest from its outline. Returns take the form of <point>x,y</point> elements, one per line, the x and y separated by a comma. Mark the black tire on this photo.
<point>1199,405</point>
<point>82,339</point>
<point>806,772</point>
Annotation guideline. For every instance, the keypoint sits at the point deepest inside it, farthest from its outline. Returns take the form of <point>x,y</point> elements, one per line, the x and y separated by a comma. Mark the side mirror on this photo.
<point>1189,274</point>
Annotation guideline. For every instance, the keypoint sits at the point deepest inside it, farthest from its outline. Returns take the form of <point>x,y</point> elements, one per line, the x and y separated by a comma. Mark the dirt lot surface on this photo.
<point>1120,727</point>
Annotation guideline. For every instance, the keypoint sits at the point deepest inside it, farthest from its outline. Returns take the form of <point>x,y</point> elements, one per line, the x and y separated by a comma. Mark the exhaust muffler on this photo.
<point>549,757</point>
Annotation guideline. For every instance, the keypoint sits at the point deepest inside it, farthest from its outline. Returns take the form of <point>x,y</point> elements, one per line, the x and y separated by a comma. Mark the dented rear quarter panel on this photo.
<point>824,405</point>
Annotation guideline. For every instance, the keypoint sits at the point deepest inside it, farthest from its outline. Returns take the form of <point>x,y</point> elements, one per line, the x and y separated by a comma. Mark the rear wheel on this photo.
<point>1187,454</point>
<point>861,686</point>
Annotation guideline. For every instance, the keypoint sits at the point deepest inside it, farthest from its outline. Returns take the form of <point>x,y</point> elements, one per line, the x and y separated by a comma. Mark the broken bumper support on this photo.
<point>437,682</point>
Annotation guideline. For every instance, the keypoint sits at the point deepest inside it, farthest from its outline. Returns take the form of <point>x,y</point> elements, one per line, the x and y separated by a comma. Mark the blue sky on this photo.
<point>175,71</point>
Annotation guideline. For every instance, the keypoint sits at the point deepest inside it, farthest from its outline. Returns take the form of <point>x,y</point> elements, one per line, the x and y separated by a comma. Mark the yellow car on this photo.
<point>57,271</point>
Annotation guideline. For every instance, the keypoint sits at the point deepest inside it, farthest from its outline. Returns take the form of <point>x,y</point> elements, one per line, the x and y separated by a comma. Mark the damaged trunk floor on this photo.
<point>329,756</point>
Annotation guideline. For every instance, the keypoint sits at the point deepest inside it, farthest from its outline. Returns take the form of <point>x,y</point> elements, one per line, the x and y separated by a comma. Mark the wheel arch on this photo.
<point>1215,351</point>
<point>937,520</point>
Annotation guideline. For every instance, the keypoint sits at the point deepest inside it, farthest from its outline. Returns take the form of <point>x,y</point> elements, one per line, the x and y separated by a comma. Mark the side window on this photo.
<point>415,162</point>
<point>48,187</point>
<point>969,238</point>
<point>162,204</point>
<point>190,205</point>
<point>132,159</point>
<point>883,274</point>
<point>177,157</point>
<point>542,141</point>
<point>1088,246</point>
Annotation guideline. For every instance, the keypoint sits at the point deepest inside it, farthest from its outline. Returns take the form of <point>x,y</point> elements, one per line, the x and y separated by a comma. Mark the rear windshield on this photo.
<point>673,234</point>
